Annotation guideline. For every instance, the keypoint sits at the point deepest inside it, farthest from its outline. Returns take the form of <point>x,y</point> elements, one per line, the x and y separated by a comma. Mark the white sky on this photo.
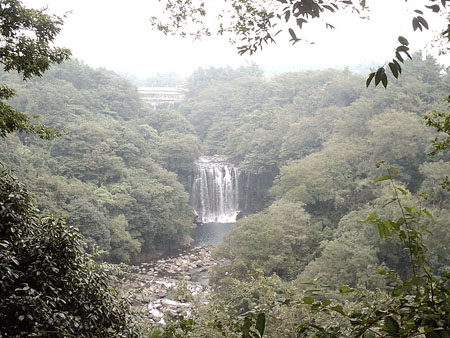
<point>117,35</point>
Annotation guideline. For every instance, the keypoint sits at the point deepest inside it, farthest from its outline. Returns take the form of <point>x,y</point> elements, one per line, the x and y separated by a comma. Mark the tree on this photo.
<point>418,304</point>
<point>281,239</point>
<point>25,46</point>
<point>179,151</point>
<point>255,23</point>
<point>90,172</point>
<point>49,286</point>
<point>408,137</point>
<point>441,122</point>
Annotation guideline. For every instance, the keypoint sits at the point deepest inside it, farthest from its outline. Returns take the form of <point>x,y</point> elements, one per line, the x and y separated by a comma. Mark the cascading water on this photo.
<point>215,190</point>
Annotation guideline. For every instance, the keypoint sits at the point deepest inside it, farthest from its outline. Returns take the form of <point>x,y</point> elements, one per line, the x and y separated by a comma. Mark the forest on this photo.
<point>345,233</point>
<point>119,172</point>
<point>113,173</point>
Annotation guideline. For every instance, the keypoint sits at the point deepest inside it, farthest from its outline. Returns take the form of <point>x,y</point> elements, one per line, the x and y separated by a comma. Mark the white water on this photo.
<point>215,190</point>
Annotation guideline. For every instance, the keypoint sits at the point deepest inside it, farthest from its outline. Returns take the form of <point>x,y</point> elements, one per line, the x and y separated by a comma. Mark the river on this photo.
<point>210,233</point>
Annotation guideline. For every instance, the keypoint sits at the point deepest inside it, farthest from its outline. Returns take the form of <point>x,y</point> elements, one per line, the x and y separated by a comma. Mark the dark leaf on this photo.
<point>261,323</point>
<point>423,22</point>
<point>326,302</point>
<point>379,75</point>
<point>434,8</point>
<point>416,24</point>
<point>287,15</point>
<point>384,80</point>
<point>315,307</point>
<point>382,178</point>
<point>403,49</point>
<point>403,41</point>
<point>394,69</point>
<point>156,334</point>
<point>338,308</point>
<point>246,328</point>
<point>398,66</point>
<point>369,79</point>
<point>391,326</point>
<point>291,31</point>
<point>300,22</point>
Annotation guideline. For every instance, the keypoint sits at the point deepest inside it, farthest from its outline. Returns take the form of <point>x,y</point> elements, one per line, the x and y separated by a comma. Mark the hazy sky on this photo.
<point>117,35</point>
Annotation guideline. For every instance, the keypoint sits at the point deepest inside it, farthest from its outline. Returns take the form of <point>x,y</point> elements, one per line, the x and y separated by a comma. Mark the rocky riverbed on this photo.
<point>166,287</point>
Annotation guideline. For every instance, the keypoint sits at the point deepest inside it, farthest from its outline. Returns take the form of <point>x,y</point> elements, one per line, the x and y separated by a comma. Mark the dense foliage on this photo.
<point>115,171</point>
<point>321,272</point>
<point>322,134</point>
<point>49,286</point>
<point>310,142</point>
<point>26,37</point>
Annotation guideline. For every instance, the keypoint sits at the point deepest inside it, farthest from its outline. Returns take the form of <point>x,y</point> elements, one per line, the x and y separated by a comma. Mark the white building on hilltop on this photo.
<point>161,96</point>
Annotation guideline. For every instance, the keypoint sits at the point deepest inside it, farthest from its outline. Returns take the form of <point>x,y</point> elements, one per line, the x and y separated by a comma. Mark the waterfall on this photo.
<point>215,190</point>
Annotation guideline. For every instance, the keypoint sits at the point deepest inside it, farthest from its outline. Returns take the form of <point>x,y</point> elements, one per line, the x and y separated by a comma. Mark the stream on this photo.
<point>210,233</point>
<point>165,288</point>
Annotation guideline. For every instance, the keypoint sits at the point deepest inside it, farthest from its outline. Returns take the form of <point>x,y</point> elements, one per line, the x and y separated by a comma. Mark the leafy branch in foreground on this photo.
<point>420,305</point>
<point>416,306</point>
<point>12,120</point>
<point>252,23</point>
<point>49,286</point>
<point>441,122</point>
<point>26,36</point>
